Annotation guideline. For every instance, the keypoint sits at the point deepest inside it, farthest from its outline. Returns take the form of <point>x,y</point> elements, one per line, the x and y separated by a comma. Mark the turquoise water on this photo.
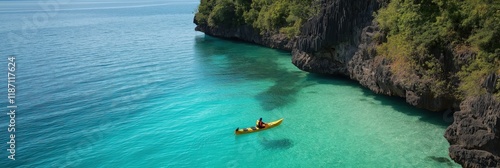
<point>131,84</point>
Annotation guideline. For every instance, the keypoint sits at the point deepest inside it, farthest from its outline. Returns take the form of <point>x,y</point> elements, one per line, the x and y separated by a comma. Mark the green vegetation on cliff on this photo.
<point>285,16</point>
<point>423,37</point>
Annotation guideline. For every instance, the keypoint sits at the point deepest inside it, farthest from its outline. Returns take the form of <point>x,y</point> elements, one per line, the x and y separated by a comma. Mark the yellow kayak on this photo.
<point>255,129</point>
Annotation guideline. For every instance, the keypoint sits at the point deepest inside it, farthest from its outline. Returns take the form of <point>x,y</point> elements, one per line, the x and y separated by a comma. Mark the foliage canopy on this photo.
<point>285,16</point>
<point>422,34</point>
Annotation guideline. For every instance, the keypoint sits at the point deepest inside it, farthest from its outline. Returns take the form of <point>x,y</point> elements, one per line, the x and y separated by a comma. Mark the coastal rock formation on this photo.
<point>474,135</point>
<point>248,34</point>
<point>341,40</point>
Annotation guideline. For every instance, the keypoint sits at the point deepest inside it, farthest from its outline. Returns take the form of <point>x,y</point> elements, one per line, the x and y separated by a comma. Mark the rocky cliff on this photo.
<point>341,40</point>
<point>328,41</point>
<point>474,136</point>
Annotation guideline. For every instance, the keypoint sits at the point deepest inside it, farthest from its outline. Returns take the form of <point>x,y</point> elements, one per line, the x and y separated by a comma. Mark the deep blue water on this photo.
<point>131,84</point>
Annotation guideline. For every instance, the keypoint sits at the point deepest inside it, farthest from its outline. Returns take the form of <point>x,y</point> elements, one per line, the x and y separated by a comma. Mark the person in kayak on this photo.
<point>261,124</point>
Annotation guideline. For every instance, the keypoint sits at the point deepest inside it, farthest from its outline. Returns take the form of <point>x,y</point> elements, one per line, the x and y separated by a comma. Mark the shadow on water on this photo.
<point>397,103</point>
<point>331,80</point>
<point>249,62</point>
<point>284,143</point>
<point>282,92</point>
<point>442,160</point>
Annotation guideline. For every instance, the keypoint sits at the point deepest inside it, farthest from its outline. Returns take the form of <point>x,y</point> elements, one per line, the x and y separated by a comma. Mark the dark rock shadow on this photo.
<point>282,144</point>
<point>331,80</point>
<point>443,160</point>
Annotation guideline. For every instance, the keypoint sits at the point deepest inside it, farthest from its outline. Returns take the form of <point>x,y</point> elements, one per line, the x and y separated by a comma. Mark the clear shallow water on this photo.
<point>127,84</point>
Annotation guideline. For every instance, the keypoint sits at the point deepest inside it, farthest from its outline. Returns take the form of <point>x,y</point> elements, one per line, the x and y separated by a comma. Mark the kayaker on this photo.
<point>261,124</point>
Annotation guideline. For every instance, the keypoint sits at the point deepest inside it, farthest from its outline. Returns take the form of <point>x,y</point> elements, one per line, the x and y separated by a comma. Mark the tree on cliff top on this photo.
<point>285,16</point>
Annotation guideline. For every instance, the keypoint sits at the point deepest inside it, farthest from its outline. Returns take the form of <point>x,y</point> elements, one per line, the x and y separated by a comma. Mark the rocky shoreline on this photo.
<point>474,137</point>
<point>341,40</point>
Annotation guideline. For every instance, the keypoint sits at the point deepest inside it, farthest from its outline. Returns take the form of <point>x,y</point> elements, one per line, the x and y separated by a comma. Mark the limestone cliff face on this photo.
<point>328,41</point>
<point>341,40</point>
